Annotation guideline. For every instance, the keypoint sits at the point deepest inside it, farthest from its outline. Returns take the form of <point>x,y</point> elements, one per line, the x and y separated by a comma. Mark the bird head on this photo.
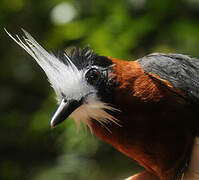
<point>81,80</point>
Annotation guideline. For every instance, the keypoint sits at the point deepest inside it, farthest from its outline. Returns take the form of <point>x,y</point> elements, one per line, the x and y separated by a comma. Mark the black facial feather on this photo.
<point>86,58</point>
<point>83,58</point>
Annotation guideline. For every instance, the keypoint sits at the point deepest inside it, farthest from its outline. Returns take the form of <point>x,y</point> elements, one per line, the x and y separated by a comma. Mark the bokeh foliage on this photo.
<point>126,29</point>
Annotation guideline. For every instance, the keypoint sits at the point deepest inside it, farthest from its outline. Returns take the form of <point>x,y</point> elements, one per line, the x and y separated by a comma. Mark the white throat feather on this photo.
<point>96,110</point>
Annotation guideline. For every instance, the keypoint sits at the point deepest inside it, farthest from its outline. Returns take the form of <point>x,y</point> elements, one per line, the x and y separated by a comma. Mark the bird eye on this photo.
<point>93,76</point>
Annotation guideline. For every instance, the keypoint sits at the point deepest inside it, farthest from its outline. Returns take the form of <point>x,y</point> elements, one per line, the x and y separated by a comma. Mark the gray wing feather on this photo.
<point>181,70</point>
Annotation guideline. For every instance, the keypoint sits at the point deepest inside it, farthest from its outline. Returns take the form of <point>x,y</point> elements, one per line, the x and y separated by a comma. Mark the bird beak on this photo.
<point>65,108</point>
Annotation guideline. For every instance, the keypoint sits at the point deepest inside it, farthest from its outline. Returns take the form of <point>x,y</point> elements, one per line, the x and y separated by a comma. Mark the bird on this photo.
<point>144,108</point>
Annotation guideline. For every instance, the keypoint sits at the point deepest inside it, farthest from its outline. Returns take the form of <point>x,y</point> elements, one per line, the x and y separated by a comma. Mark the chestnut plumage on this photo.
<point>147,108</point>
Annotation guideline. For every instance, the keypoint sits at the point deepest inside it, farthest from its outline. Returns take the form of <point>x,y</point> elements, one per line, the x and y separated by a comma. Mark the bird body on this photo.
<point>153,121</point>
<point>147,108</point>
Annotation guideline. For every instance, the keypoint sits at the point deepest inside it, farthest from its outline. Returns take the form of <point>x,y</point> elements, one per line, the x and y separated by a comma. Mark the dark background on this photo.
<point>126,29</point>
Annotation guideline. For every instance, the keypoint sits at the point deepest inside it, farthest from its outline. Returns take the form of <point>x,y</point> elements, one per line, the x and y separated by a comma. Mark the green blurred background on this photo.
<point>125,29</point>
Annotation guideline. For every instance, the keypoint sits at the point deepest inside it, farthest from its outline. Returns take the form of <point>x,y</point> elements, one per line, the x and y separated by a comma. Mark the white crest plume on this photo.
<point>64,78</point>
